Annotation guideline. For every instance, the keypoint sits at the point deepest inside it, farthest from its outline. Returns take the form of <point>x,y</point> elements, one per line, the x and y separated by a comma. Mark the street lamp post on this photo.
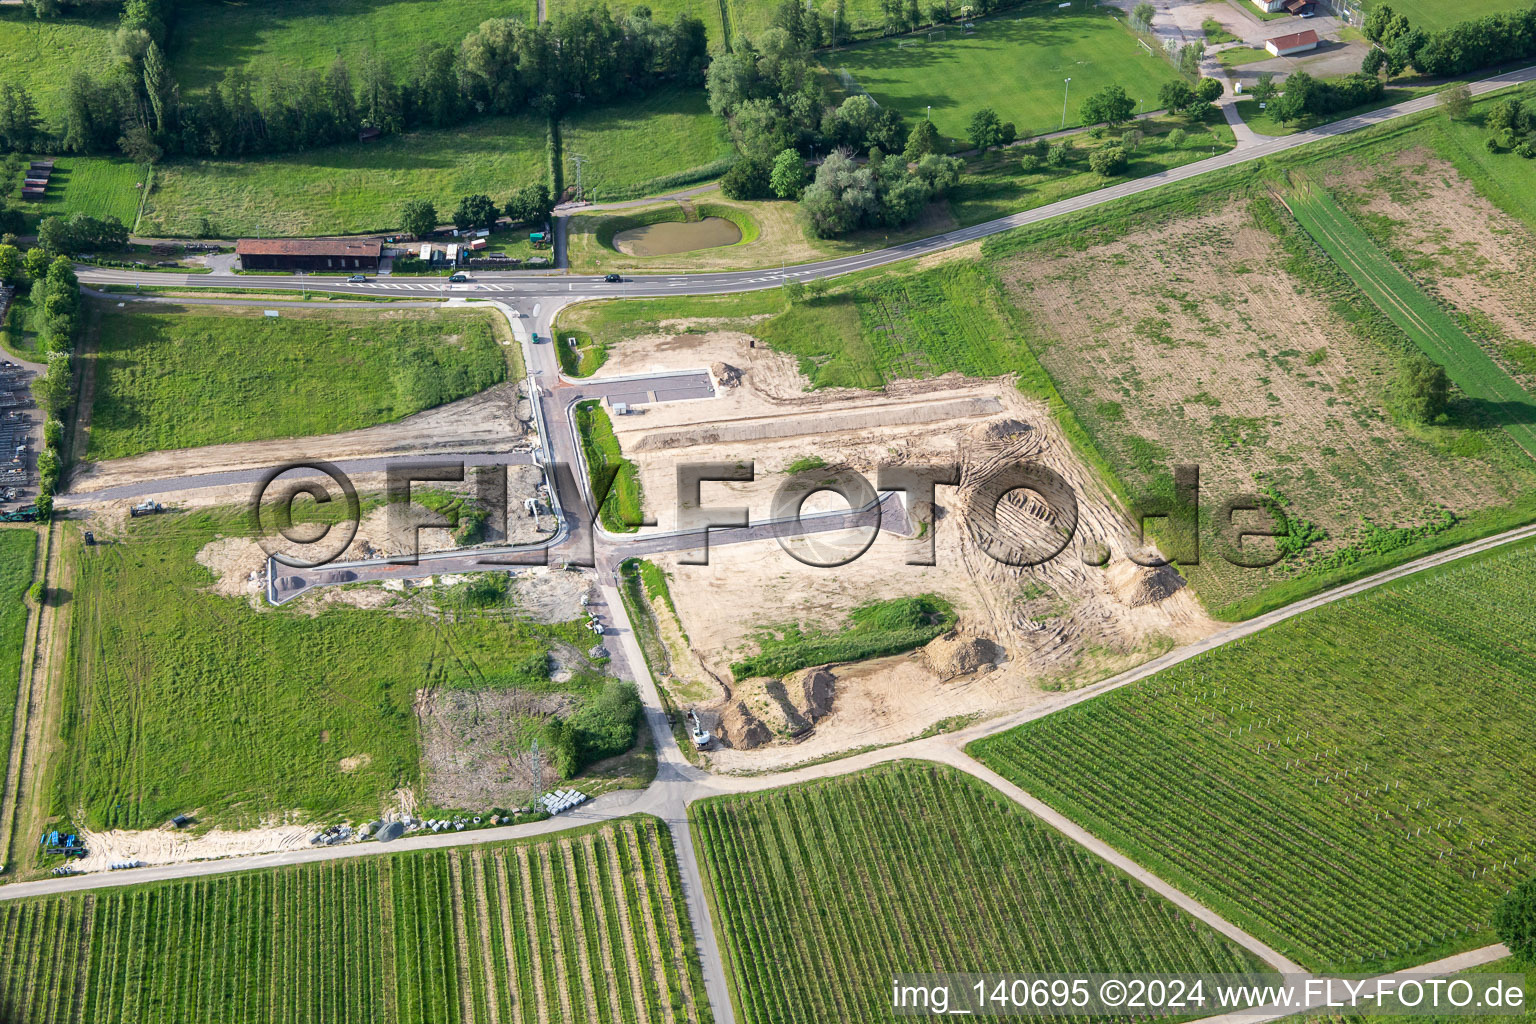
<point>1064,90</point>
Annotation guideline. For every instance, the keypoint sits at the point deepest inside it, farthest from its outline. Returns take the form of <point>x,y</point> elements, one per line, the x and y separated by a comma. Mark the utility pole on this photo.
<point>1064,90</point>
<point>579,160</point>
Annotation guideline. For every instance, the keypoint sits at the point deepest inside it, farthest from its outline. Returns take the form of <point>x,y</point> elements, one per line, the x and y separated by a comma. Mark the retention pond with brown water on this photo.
<point>671,237</point>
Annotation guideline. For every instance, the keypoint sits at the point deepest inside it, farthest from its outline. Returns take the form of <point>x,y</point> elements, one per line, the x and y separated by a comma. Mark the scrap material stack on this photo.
<point>15,429</point>
<point>35,185</point>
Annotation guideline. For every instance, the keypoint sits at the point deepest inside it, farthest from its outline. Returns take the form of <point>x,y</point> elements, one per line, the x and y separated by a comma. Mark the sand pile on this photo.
<point>743,730</point>
<point>959,654</point>
<point>1136,585</point>
<point>726,375</point>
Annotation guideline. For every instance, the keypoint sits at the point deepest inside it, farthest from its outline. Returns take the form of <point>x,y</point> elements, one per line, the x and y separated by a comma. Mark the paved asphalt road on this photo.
<point>677,782</point>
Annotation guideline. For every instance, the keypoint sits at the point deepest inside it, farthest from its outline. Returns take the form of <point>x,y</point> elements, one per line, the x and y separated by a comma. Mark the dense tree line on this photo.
<point>1307,96</point>
<point>505,66</point>
<point>1463,47</point>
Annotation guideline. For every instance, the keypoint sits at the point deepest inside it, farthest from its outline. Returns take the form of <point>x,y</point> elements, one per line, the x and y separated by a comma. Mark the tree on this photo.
<point>1130,139</point>
<point>138,144</point>
<point>35,263</point>
<point>1209,89</point>
<point>51,389</point>
<point>1421,390</point>
<point>1514,921</point>
<point>1264,88</point>
<point>1107,161</point>
<point>53,236</point>
<point>1176,138</point>
<point>531,204</point>
<point>789,176</point>
<point>10,263</point>
<point>985,130</point>
<point>477,211</point>
<point>1141,16</point>
<point>748,178</point>
<point>1175,96</point>
<point>1110,105</point>
<point>923,139</point>
<point>1456,101</point>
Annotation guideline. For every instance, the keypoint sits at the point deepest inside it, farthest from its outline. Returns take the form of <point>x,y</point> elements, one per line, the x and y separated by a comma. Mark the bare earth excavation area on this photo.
<point>1020,630</point>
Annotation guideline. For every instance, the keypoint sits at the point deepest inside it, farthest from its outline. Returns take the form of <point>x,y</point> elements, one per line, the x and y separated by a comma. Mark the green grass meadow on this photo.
<point>182,699</point>
<point>266,36</point>
<point>355,187</point>
<point>18,559</point>
<point>825,891</point>
<point>42,53</point>
<point>185,377</point>
<point>600,447</point>
<point>1432,16</point>
<point>1351,785</point>
<point>645,146</point>
<point>1015,63</point>
<point>412,937</point>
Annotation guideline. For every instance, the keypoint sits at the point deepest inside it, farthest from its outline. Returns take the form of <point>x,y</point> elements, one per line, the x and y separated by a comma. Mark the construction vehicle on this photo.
<point>146,508</point>
<point>701,736</point>
<point>20,515</point>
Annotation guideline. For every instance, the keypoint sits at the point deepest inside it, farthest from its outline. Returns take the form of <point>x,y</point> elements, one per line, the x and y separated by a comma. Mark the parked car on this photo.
<point>614,278</point>
<point>357,278</point>
<point>458,277</point>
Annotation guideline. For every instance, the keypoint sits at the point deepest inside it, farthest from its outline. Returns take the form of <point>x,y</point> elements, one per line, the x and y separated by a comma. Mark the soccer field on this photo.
<point>1015,63</point>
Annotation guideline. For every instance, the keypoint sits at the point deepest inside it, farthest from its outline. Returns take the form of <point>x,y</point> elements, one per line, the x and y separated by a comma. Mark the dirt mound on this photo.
<point>238,562</point>
<point>818,687</point>
<point>792,722</point>
<point>1006,429</point>
<point>959,654</point>
<point>1136,585</point>
<point>743,730</point>
<point>726,375</point>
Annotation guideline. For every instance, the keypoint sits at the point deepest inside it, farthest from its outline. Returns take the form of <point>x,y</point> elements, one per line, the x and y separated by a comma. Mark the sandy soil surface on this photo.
<point>494,420</point>
<point>472,745</point>
<point>1052,625</point>
<point>167,845</point>
<point>1462,247</point>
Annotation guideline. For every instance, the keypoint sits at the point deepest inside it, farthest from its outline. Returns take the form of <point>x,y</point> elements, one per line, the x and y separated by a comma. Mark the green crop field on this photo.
<point>264,37</point>
<point>1350,785</point>
<point>1014,63</point>
<point>358,188</point>
<point>18,557</point>
<point>180,698</point>
<point>95,186</point>
<point>587,927</point>
<point>42,53</point>
<point>194,376</point>
<point>1428,325</point>
<point>600,448</point>
<point>824,891</point>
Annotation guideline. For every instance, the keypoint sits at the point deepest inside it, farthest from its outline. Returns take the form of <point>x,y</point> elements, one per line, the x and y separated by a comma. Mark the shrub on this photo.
<point>1176,138</point>
<point>1107,160</point>
<point>605,725</point>
<point>748,178</point>
<point>37,592</point>
<point>1514,919</point>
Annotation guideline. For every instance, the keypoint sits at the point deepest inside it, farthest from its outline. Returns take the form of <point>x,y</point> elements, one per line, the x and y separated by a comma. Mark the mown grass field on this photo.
<point>279,36</point>
<point>1504,178</point>
<point>18,559</point>
<point>588,926</point>
<point>1419,316</point>
<point>42,53</point>
<point>354,187</point>
<point>1350,785</point>
<point>824,891</point>
<point>178,698</point>
<point>93,185</point>
<point>1026,55</point>
<point>600,448</point>
<point>194,376</point>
